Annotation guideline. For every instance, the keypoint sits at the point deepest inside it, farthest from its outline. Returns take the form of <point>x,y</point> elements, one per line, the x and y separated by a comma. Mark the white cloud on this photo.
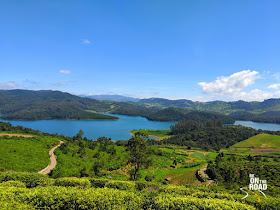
<point>65,71</point>
<point>86,41</point>
<point>255,95</point>
<point>274,86</point>
<point>9,85</point>
<point>231,84</point>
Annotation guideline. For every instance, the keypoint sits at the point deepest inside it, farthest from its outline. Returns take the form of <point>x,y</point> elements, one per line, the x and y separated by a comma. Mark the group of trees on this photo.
<point>177,114</point>
<point>267,117</point>
<point>207,135</point>
<point>107,156</point>
<point>36,105</point>
<point>233,170</point>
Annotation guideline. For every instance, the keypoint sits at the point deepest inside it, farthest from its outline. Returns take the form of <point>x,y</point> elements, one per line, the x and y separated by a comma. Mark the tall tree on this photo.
<point>137,146</point>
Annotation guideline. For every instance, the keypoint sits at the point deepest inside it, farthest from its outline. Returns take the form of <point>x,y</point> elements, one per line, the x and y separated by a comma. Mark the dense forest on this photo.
<point>233,170</point>
<point>35,105</point>
<point>221,106</point>
<point>267,117</point>
<point>209,135</point>
<point>176,114</point>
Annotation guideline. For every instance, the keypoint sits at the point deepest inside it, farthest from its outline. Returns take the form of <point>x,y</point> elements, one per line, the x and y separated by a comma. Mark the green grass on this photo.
<point>260,141</point>
<point>212,155</point>
<point>25,154</point>
<point>161,134</point>
<point>256,145</point>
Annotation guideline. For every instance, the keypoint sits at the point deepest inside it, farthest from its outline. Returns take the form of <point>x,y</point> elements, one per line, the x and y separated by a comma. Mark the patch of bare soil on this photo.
<point>17,135</point>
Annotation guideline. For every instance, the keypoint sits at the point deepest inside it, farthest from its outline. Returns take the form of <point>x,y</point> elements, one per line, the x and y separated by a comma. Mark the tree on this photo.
<point>137,146</point>
<point>80,134</point>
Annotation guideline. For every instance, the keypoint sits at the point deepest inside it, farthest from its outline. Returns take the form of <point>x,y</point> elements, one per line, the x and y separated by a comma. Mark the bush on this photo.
<point>73,198</point>
<point>149,178</point>
<point>121,185</point>
<point>170,202</point>
<point>12,184</point>
<point>72,182</point>
<point>11,205</point>
<point>98,183</point>
<point>146,185</point>
<point>30,179</point>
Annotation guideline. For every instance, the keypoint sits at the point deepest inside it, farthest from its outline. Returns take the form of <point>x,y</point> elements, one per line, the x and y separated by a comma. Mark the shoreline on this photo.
<point>61,119</point>
<point>155,137</point>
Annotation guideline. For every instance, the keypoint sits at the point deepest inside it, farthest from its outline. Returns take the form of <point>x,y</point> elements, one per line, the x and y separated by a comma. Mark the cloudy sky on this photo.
<point>200,50</point>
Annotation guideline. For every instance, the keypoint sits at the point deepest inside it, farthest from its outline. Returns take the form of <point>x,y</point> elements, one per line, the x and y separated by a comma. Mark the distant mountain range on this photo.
<point>118,98</point>
<point>48,104</point>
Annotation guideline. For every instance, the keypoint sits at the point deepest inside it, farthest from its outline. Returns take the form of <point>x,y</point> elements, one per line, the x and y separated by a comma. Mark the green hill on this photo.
<point>25,154</point>
<point>260,141</point>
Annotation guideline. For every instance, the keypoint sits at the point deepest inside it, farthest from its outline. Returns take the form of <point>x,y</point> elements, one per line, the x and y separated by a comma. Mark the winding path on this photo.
<point>52,165</point>
<point>205,175</point>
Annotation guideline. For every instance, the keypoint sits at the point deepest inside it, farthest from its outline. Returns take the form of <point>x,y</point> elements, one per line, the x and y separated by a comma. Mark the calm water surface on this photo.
<point>115,129</point>
<point>257,125</point>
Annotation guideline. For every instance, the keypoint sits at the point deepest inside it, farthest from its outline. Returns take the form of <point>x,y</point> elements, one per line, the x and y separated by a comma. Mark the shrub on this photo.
<point>30,179</point>
<point>12,184</point>
<point>73,198</point>
<point>146,185</point>
<point>98,183</point>
<point>72,182</point>
<point>149,178</point>
<point>188,202</point>
<point>121,185</point>
<point>11,205</point>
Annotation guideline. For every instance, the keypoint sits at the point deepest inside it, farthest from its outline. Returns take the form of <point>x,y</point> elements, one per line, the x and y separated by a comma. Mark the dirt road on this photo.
<point>17,135</point>
<point>52,165</point>
<point>203,173</point>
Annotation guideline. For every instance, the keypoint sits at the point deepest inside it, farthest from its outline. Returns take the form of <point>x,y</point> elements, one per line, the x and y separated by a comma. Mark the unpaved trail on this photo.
<point>203,173</point>
<point>16,135</point>
<point>53,161</point>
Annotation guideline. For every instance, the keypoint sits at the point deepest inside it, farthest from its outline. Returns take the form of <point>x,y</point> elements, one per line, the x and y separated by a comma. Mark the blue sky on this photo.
<point>201,50</point>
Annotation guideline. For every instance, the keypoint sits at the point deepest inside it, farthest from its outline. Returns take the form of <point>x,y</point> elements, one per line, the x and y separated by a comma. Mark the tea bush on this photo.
<point>30,179</point>
<point>72,182</point>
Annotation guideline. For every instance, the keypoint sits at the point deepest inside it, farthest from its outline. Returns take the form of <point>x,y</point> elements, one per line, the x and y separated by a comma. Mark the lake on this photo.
<point>115,129</point>
<point>257,125</point>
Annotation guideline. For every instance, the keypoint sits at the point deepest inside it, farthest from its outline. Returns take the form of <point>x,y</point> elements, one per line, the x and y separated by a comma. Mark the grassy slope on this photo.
<point>159,134</point>
<point>256,145</point>
<point>260,141</point>
<point>25,154</point>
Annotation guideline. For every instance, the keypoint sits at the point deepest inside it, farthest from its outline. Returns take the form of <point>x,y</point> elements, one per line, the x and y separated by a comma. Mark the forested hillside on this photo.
<point>33,105</point>
<point>209,135</point>
<point>266,111</point>
<point>36,105</point>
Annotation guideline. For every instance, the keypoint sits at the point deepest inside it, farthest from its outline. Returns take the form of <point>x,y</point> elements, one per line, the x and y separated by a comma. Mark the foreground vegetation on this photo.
<point>30,191</point>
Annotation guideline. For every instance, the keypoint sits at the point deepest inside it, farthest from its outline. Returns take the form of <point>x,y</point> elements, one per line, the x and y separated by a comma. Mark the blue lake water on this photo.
<point>257,125</point>
<point>115,129</point>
